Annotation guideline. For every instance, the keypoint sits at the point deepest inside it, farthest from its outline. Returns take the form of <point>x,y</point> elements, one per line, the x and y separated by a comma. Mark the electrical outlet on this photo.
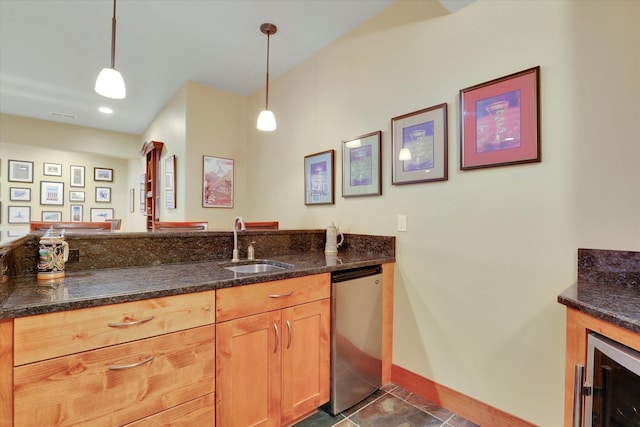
<point>74,255</point>
<point>402,223</point>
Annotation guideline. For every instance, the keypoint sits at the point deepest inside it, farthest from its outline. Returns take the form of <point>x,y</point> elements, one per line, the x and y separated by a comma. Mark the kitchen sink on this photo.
<point>262,266</point>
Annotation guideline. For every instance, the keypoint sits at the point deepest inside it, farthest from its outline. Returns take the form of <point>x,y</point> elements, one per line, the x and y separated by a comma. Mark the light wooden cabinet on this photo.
<point>142,363</point>
<point>272,351</point>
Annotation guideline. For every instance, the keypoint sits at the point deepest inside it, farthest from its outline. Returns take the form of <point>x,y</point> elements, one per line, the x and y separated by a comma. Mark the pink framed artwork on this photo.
<point>500,121</point>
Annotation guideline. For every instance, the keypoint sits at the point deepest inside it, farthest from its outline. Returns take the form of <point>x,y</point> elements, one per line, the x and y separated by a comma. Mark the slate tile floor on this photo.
<point>391,406</point>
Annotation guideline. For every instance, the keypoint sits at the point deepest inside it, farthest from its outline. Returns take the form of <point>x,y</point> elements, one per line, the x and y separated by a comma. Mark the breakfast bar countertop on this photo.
<point>25,296</point>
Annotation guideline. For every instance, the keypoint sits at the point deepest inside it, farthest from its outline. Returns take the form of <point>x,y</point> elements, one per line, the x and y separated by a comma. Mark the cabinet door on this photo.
<point>248,354</point>
<point>305,358</point>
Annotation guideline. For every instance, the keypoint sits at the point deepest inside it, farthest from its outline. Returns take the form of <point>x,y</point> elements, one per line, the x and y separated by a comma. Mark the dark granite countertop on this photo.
<point>608,287</point>
<point>23,296</point>
<point>617,304</point>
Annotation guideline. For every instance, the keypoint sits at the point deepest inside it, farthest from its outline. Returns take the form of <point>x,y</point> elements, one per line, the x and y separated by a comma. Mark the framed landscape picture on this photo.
<point>76,196</point>
<point>217,182</point>
<point>52,169</point>
<point>101,214</point>
<point>52,216</point>
<point>19,194</point>
<point>103,174</point>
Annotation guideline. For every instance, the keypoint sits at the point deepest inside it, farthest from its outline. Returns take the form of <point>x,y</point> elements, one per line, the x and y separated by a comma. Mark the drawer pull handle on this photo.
<point>289,329</point>
<point>131,323</point>
<point>131,365</point>
<point>275,327</point>
<point>281,295</point>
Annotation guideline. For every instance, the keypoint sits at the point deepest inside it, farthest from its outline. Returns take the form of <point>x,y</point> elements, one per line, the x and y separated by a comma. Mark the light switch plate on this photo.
<point>402,223</point>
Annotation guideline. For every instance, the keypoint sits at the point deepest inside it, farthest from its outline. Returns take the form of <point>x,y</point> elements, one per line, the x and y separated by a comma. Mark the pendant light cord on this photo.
<point>266,105</point>
<point>113,37</point>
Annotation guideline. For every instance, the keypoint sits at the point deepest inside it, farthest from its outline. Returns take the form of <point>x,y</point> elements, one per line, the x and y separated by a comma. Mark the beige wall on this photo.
<point>486,252</point>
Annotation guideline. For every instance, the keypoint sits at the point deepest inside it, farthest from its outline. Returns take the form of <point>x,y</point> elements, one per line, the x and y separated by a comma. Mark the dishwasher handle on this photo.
<point>355,273</point>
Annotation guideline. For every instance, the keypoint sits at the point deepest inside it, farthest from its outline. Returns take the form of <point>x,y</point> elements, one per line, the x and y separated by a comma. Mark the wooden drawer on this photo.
<point>199,412</point>
<point>81,389</point>
<point>51,335</point>
<point>241,301</point>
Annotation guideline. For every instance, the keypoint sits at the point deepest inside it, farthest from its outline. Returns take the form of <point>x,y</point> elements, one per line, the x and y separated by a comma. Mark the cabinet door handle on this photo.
<point>578,375</point>
<point>131,323</point>
<point>281,295</point>
<point>131,365</point>
<point>275,327</point>
<point>289,329</point>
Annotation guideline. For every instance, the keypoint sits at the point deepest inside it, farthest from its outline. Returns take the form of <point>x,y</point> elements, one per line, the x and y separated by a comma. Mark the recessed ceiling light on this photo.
<point>105,110</point>
<point>63,115</point>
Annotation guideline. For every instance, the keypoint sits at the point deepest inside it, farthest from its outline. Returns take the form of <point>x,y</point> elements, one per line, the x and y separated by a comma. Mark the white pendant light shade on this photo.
<point>266,121</point>
<point>404,154</point>
<point>111,84</point>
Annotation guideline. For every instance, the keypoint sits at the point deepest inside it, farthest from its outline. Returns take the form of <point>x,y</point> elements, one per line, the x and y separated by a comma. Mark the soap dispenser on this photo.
<point>250,253</point>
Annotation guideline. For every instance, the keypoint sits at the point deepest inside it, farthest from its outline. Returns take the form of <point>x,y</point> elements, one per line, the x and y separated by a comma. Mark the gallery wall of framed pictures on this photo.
<point>53,190</point>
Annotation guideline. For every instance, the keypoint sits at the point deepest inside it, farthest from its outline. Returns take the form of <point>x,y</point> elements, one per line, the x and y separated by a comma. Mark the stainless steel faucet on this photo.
<point>236,258</point>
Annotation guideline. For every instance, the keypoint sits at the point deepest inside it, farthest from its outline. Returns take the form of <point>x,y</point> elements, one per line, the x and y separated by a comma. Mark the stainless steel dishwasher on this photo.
<point>356,336</point>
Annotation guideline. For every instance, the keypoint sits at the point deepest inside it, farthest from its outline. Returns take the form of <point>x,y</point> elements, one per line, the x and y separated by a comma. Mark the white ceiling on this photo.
<point>52,50</point>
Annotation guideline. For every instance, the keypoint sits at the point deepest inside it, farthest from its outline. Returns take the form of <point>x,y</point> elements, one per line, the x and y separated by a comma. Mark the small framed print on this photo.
<point>500,121</point>
<point>361,167</point>
<point>19,214</point>
<point>76,196</point>
<point>101,214</point>
<point>52,169</point>
<point>20,171</point>
<point>19,194</point>
<point>103,174</point>
<point>319,178</point>
<point>76,213</point>
<point>51,193</point>
<point>170,181</point>
<point>77,176</point>
<point>103,194</point>
<point>419,146</point>
<point>52,216</point>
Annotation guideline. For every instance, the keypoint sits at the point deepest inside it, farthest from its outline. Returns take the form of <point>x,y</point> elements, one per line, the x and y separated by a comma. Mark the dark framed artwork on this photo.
<point>20,171</point>
<point>103,194</point>
<point>52,169</point>
<point>103,174</point>
<point>319,178</point>
<point>361,165</point>
<point>500,121</point>
<point>419,145</point>
<point>52,216</point>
